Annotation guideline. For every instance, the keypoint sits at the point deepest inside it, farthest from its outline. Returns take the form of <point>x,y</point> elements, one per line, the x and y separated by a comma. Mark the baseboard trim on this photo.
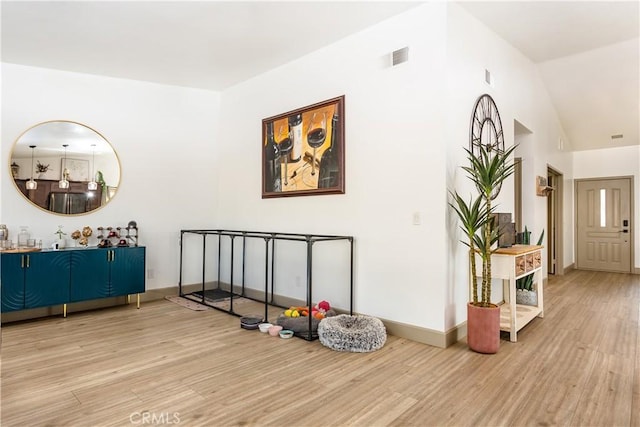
<point>634,270</point>
<point>426,335</point>
<point>569,268</point>
<point>399,329</point>
<point>76,307</point>
<point>58,310</point>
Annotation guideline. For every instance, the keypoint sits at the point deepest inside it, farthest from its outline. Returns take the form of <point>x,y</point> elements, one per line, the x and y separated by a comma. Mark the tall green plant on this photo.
<point>472,220</point>
<point>100,179</point>
<point>487,170</point>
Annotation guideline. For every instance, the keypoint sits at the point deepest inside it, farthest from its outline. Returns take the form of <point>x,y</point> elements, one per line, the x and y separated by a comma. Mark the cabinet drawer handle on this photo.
<point>28,259</point>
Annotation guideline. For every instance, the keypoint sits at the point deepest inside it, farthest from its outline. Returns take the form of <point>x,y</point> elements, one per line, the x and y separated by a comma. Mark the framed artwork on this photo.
<point>303,151</point>
<point>78,170</point>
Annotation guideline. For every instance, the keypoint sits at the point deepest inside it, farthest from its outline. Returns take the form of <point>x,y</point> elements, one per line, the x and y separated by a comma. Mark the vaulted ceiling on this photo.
<point>587,52</point>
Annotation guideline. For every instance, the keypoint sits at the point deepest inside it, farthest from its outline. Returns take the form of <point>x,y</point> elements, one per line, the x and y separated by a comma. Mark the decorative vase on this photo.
<point>526,297</point>
<point>483,328</point>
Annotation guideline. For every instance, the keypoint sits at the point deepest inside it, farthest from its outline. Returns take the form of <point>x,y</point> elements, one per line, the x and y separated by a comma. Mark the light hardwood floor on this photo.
<point>165,364</point>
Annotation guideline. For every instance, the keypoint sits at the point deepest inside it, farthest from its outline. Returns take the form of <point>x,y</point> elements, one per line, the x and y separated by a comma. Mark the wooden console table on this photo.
<point>510,264</point>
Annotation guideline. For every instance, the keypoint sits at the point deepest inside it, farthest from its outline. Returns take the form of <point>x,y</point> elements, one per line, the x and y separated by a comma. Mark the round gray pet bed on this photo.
<point>358,334</point>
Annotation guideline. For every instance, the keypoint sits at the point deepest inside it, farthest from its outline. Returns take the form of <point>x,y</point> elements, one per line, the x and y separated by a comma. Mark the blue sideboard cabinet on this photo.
<point>41,279</point>
<point>35,279</point>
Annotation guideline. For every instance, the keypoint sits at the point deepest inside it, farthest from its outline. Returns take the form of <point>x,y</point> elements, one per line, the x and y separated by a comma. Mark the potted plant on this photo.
<point>525,292</point>
<point>41,169</point>
<point>487,170</point>
<point>61,242</point>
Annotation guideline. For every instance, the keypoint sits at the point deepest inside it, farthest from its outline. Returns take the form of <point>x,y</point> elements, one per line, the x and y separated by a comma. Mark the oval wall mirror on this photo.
<point>65,167</point>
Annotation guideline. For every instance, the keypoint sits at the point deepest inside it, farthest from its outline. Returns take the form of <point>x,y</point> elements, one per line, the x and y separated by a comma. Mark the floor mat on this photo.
<point>217,298</point>
<point>212,294</point>
<point>241,306</point>
<point>185,302</point>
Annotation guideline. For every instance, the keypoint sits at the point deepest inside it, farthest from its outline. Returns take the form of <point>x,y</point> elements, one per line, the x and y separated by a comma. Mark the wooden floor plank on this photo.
<point>579,365</point>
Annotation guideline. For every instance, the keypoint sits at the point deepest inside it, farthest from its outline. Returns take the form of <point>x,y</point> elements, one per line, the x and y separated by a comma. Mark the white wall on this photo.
<point>405,129</point>
<point>520,96</point>
<point>165,138</point>
<point>394,163</point>
<point>613,162</point>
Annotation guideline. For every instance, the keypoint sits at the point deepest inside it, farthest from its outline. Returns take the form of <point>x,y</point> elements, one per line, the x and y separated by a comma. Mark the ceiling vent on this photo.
<point>399,56</point>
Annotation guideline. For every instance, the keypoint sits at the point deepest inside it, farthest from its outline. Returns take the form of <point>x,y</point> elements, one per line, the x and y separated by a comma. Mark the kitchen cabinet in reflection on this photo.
<point>74,200</point>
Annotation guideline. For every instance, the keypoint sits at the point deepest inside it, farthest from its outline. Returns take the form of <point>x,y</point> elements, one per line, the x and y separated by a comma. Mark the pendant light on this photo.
<point>93,185</point>
<point>63,183</point>
<point>31,184</point>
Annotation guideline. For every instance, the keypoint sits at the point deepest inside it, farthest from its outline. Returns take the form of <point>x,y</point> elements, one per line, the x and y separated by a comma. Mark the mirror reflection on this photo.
<point>65,167</point>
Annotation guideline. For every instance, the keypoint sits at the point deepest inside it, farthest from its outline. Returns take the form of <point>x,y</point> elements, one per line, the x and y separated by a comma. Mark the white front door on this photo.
<point>604,224</point>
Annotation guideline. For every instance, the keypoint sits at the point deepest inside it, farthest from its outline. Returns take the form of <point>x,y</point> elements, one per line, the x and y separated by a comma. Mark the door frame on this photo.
<point>517,193</point>
<point>556,231</point>
<point>632,225</point>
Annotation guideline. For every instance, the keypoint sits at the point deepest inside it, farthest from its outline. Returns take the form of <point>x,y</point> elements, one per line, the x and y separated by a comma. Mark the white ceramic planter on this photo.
<point>525,297</point>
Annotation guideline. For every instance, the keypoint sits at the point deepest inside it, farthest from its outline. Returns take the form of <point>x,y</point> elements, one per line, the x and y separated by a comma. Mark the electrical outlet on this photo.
<point>150,273</point>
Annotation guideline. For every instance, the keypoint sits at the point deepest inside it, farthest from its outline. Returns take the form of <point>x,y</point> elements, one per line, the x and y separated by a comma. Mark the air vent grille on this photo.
<point>399,56</point>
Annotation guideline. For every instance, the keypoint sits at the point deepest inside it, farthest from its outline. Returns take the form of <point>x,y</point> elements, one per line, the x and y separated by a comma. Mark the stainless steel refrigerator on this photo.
<point>68,203</point>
